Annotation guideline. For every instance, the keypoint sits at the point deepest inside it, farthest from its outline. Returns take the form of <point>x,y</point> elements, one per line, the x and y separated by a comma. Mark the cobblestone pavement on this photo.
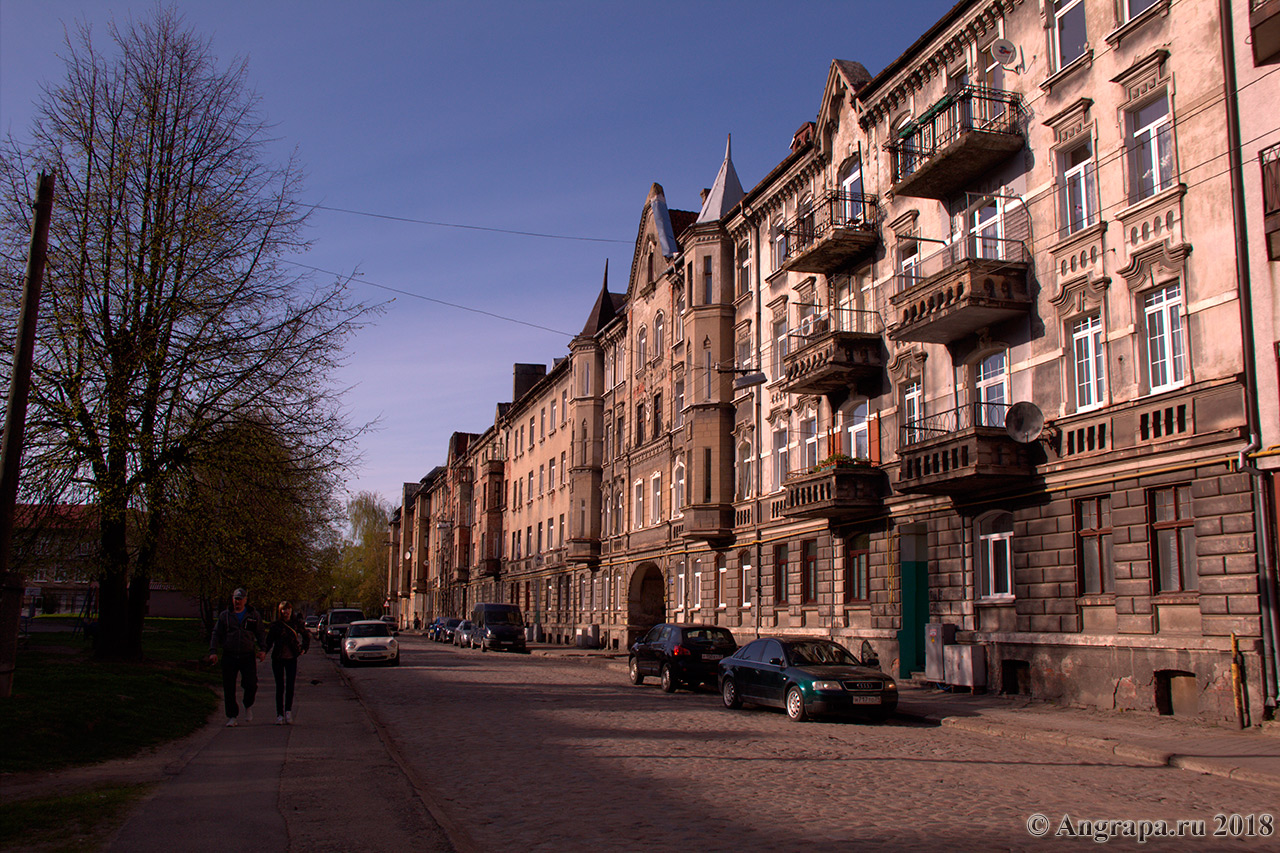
<point>546,753</point>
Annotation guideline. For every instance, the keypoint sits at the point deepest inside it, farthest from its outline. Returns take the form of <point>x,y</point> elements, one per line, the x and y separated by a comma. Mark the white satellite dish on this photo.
<point>1024,422</point>
<point>1004,52</point>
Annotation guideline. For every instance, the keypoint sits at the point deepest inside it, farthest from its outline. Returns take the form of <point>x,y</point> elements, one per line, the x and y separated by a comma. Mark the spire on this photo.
<point>604,310</point>
<point>725,192</point>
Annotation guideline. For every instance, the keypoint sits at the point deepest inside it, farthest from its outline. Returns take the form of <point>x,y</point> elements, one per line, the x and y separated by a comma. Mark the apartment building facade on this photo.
<point>972,366</point>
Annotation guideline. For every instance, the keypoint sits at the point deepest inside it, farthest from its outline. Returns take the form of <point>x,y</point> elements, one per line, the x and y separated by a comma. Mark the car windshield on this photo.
<point>820,653</point>
<point>708,636</point>
<point>504,617</point>
<point>340,618</point>
<point>378,630</point>
<point>453,623</point>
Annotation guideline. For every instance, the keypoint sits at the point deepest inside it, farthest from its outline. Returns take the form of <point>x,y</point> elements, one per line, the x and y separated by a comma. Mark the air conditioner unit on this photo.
<point>966,666</point>
<point>938,635</point>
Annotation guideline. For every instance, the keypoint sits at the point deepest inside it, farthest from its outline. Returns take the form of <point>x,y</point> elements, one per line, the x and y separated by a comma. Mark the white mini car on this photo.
<point>370,641</point>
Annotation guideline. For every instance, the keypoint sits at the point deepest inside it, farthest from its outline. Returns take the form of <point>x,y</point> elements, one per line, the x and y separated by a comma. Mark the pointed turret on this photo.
<point>605,309</point>
<point>725,193</point>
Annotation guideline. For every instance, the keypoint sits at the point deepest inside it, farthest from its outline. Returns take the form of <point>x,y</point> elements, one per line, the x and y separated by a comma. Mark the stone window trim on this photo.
<point>1081,62</point>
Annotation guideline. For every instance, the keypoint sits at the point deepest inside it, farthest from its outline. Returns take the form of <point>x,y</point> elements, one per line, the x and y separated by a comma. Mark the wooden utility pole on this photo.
<point>12,583</point>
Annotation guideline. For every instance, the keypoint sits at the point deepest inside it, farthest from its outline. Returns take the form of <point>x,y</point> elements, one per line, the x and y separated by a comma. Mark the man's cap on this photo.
<point>239,593</point>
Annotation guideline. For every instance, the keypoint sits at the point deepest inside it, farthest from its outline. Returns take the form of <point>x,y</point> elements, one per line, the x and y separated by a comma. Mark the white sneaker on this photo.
<point>233,722</point>
<point>279,721</point>
<point>288,717</point>
<point>248,715</point>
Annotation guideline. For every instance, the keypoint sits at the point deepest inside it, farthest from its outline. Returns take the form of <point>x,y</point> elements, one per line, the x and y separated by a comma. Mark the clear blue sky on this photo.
<point>547,117</point>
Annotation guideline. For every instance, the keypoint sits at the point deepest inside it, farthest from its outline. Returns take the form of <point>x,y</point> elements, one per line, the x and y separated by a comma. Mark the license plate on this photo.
<point>712,657</point>
<point>865,700</point>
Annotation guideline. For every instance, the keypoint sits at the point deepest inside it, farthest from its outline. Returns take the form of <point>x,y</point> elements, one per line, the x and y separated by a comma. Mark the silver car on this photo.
<point>464,634</point>
<point>370,641</point>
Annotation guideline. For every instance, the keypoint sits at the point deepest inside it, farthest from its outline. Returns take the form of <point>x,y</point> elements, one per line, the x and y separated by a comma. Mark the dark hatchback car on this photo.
<point>680,654</point>
<point>335,627</point>
<point>444,631</point>
<point>807,677</point>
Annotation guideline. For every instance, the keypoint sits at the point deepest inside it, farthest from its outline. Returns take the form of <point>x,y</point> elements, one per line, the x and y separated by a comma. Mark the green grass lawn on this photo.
<point>74,823</point>
<point>67,709</point>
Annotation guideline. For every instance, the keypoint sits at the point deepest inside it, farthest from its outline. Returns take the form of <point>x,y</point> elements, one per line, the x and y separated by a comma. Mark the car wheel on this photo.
<point>395,661</point>
<point>633,668</point>
<point>344,660</point>
<point>669,683</point>
<point>729,693</point>
<point>795,705</point>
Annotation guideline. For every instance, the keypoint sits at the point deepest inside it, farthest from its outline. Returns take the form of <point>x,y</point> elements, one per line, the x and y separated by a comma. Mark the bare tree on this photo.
<point>170,310</point>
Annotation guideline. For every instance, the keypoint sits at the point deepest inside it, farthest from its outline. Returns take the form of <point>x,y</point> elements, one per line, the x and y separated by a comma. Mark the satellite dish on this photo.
<point>1004,52</point>
<point>1024,422</point>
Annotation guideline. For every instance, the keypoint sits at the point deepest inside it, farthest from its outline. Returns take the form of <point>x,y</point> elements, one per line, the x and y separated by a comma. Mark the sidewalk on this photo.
<point>1251,756</point>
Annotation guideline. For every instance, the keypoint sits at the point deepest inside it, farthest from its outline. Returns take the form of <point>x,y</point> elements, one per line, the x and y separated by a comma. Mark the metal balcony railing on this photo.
<point>952,421</point>
<point>836,210</point>
<point>968,109</point>
<point>852,320</point>
<point>974,247</point>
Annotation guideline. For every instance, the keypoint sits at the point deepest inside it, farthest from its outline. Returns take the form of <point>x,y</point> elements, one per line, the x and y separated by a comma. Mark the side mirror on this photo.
<point>775,661</point>
<point>868,655</point>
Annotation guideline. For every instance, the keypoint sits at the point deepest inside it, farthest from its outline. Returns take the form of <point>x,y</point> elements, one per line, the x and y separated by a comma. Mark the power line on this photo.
<point>465,227</point>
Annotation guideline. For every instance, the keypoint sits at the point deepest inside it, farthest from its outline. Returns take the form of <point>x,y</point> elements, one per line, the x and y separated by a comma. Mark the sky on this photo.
<point>484,118</point>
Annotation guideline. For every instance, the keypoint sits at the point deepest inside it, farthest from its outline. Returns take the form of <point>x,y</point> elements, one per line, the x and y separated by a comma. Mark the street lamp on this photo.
<point>746,378</point>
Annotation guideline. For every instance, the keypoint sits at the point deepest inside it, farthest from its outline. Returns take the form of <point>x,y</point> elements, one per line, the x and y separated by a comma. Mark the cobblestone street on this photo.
<point>548,753</point>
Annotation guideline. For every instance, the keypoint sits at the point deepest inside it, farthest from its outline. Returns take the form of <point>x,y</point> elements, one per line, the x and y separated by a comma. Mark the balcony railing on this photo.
<point>834,351</point>
<point>960,450</point>
<point>845,491</point>
<point>955,141</point>
<point>839,229</point>
<point>963,287</point>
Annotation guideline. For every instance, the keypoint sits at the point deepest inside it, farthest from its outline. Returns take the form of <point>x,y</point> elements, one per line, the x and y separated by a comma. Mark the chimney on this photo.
<point>524,377</point>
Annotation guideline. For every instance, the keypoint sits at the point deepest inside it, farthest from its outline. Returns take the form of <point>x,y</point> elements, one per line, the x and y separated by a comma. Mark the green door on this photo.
<point>914,586</point>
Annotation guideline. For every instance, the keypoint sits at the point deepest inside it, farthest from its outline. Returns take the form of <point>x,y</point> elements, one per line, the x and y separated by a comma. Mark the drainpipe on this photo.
<point>1261,526</point>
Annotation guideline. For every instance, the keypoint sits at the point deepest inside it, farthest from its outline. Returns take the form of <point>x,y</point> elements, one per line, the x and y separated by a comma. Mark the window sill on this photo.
<point>1122,32</point>
<point>1082,61</point>
<point>1187,597</point>
<point>1097,599</point>
<point>996,600</point>
<point>1138,208</point>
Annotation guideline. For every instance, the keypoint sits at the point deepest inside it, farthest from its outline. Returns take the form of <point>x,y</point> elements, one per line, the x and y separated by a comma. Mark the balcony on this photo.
<point>961,451</point>
<point>955,142</point>
<point>708,522</point>
<point>839,230</point>
<point>966,286</point>
<point>834,352</point>
<point>1264,31</point>
<point>461,574</point>
<point>583,551</point>
<point>489,567</point>
<point>846,491</point>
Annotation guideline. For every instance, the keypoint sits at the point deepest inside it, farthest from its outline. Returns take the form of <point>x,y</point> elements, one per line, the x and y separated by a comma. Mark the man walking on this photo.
<point>240,634</point>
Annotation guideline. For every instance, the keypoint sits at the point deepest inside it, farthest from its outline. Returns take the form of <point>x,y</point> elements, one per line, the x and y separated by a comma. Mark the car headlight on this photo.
<point>351,645</point>
<point>391,644</point>
<point>827,685</point>
<point>889,685</point>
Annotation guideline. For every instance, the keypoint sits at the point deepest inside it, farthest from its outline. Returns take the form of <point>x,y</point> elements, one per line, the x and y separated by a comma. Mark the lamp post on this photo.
<point>743,379</point>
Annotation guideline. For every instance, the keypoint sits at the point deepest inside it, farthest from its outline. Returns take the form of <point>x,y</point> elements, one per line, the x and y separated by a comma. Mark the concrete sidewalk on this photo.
<point>275,787</point>
<point>1251,756</point>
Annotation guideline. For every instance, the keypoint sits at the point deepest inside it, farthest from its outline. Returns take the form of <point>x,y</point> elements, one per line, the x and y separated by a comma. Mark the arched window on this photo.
<point>677,489</point>
<point>744,469</point>
<point>642,349</point>
<point>659,334</point>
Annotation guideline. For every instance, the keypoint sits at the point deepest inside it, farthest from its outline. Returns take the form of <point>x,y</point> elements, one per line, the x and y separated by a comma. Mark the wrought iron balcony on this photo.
<point>960,289</point>
<point>847,490</point>
<point>955,142</point>
<point>961,450</point>
<point>1264,31</point>
<point>834,352</point>
<point>839,229</point>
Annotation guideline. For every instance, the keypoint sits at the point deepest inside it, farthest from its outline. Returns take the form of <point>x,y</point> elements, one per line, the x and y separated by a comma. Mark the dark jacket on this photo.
<point>288,639</point>
<point>233,637</point>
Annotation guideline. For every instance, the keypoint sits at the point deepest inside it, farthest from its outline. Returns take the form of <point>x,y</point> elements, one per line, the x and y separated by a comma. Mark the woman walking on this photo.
<point>287,640</point>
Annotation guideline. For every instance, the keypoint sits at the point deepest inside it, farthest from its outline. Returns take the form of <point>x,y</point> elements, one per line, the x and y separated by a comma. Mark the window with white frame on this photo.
<point>682,588</point>
<point>1088,341</point>
<point>655,511</point>
<point>659,334</point>
<point>551,473</point>
<point>1134,8</point>
<point>779,347</point>
<point>995,555</point>
<point>745,578</point>
<point>851,190</point>
<point>642,349</point>
<point>1068,32</point>
<point>722,574</point>
<point>985,230</point>
<point>743,467</point>
<point>908,262</point>
<point>857,429</point>
<point>1166,352</point>
<point>778,244</point>
<point>620,519</point>
<point>563,466</point>
<point>696,591</point>
<point>1079,188</point>
<point>677,490</point>
<point>1150,149</point>
<point>780,469</point>
<point>542,480</point>
<point>680,305</point>
<point>639,513</point>
<point>912,412</point>
<point>744,269</point>
<point>677,414</point>
<point>808,443</point>
<point>553,416</point>
<point>991,386</point>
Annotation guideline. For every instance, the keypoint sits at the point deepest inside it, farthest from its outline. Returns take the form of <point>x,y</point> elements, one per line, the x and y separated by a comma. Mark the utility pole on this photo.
<point>13,584</point>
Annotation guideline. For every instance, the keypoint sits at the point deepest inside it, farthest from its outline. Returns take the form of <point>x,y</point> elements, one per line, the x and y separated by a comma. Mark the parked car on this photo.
<point>369,641</point>
<point>313,624</point>
<point>498,626</point>
<point>462,634</point>
<point>807,677</point>
<point>335,627</point>
<point>445,632</point>
<point>430,629</point>
<point>390,620</point>
<point>680,654</point>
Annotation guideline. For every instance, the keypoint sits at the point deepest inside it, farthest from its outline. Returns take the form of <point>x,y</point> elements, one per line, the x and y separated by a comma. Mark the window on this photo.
<point>1172,534</point>
<point>657,415</point>
<point>808,443</point>
<point>857,568</point>
<point>851,190</point>
<point>682,590</point>
<point>743,467</point>
<point>1079,188</point>
<point>809,571</point>
<point>656,499</point>
<point>620,433</point>
<point>542,424</point>
<point>709,368</point>
<point>542,479</point>
<point>780,470</point>
<point>995,555</point>
<point>744,269</point>
<point>1166,354</point>
<point>640,422</point>
<point>1087,342</point>
<point>992,388</point>
<point>697,584</point>
<point>778,245</point>
<point>551,473</point>
<point>563,466</point>
<point>659,334</point>
<point>1134,8</point>
<point>677,414</point>
<point>1068,33</point>
<point>620,519</point>
<point>779,347</point>
<point>721,572</point>
<point>539,540</point>
<point>1150,149</point>
<point>1093,546</point>
<point>744,578</point>
<point>677,490</point>
<point>679,328</point>
<point>743,360</point>
<point>639,514</point>
<point>857,429</point>
<point>528,496</point>
<point>553,416</point>
<point>708,294</point>
<point>562,524</point>
<point>564,406</point>
<point>908,262</point>
<point>606,512</point>
<point>642,349</point>
<point>780,574</point>
<point>985,229</point>
<point>608,440</point>
<point>912,412</point>
<point>586,379</point>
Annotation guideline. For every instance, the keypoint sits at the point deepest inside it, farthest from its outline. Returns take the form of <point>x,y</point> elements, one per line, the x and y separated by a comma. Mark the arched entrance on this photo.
<point>646,601</point>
